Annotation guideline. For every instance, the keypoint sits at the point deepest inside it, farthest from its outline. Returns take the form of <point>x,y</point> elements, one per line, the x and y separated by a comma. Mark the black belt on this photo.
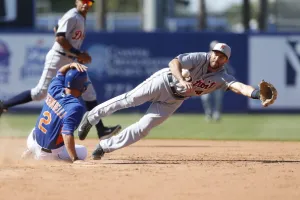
<point>175,93</point>
<point>43,149</point>
<point>64,54</point>
<point>46,150</point>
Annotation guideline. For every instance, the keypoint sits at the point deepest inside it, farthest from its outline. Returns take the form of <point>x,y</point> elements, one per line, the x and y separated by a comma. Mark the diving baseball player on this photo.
<point>52,137</point>
<point>70,34</point>
<point>167,89</point>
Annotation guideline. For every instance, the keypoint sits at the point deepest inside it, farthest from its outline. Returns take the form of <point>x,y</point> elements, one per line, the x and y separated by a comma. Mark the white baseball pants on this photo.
<point>57,154</point>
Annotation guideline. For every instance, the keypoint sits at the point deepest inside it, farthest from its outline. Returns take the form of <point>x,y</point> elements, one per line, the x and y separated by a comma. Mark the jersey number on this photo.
<point>45,121</point>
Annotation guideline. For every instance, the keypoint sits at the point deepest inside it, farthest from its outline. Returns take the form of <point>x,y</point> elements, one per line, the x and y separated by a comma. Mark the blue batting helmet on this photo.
<point>75,79</point>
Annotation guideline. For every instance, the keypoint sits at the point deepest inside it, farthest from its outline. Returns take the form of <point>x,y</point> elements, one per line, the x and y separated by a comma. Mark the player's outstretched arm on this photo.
<point>241,88</point>
<point>266,93</point>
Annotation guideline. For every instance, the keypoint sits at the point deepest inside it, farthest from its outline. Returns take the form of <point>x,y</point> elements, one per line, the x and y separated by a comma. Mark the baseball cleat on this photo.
<point>84,127</point>
<point>109,131</point>
<point>98,153</point>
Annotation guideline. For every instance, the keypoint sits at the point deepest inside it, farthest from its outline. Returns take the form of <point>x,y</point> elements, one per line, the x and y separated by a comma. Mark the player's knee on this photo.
<point>38,93</point>
<point>81,152</point>
<point>125,100</point>
<point>130,100</point>
<point>148,123</point>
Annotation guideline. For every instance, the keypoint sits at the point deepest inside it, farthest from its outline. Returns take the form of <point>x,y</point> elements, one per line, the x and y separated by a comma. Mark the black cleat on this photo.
<point>98,153</point>
<point>84,127</point>
<point>109,131</point>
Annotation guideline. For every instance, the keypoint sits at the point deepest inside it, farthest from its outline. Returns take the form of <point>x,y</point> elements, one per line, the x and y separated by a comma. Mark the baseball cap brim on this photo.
<point>220,52</point>
<point>223,48</point>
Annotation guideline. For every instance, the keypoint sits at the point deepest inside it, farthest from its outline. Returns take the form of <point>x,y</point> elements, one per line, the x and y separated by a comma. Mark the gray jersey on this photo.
<point>203,81</point>
<point>159,89</point>
<point>73,25</point>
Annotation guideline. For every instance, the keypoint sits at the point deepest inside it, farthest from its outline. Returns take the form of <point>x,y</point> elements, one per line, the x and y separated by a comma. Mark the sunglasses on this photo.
<point>88,2</point>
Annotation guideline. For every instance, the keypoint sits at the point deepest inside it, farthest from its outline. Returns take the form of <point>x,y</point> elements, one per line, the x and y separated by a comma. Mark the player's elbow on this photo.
<point>55,28</point>
<point>174,63</point>
<point>60,39</point>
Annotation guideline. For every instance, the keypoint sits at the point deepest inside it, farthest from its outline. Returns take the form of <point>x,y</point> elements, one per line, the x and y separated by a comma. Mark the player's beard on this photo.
<point>215,65</point>
<point>83,10</point>
<point>83,13</point>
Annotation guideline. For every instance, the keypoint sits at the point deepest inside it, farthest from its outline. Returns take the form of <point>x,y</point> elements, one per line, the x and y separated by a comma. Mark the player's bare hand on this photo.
<point>79,67</point>
<point>84,58</point>
<point>187,85</point>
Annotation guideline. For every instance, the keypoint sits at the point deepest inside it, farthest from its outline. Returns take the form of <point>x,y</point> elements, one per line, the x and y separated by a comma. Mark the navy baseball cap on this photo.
<point>75,79</point>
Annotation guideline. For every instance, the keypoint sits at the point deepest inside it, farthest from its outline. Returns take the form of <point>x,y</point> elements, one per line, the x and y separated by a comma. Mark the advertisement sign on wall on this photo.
<point>276,59</point>
<point>22,60</point>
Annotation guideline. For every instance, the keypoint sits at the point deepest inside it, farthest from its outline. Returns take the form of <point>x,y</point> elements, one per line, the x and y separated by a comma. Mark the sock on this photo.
<point>100,127</point>
<point>21,98</point>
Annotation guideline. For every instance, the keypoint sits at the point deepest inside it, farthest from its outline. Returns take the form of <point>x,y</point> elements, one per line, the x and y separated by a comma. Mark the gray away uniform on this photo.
<point>73,25</point>
<point>166,95</point>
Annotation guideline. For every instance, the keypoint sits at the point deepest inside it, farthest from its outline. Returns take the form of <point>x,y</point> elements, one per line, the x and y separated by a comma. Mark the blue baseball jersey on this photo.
<point>61,114</point>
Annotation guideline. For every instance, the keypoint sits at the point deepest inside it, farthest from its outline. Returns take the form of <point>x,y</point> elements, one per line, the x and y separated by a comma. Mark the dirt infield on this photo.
<point>158,169</point>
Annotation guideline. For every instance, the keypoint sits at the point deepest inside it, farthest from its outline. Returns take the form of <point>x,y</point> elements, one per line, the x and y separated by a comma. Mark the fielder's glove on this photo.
<point>268,93</point>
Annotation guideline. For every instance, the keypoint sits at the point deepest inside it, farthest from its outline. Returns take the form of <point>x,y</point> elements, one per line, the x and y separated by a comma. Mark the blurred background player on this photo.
<point>52,137</point>
<point>70,34</point>
<point>212,102</point>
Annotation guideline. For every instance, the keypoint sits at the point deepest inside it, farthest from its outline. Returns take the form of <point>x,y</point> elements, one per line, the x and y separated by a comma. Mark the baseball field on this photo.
<point>245,157</point>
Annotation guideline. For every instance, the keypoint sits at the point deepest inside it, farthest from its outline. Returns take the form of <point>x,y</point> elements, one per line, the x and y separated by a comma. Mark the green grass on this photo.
<point>185,126</point>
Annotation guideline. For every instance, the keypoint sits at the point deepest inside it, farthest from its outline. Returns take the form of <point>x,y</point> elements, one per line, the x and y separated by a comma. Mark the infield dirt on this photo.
<point>158,169</point>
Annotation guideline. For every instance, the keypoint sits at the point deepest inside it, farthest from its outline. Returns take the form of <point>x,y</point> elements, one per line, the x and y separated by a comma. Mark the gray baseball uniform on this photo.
<point>166,95</point>
<point>73,25</point>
